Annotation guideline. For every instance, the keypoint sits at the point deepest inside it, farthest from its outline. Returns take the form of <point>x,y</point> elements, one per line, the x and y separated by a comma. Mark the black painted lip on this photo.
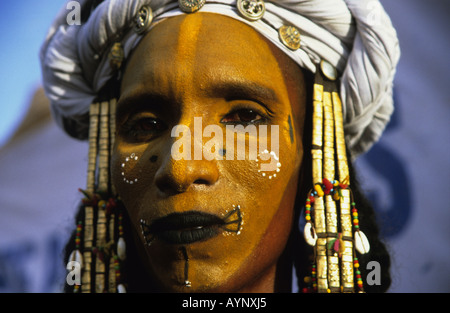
<point>185,228</point>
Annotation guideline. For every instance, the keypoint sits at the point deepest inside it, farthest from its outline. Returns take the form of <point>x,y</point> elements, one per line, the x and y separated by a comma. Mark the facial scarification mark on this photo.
<point>187,282</point>
<point>291,130</point>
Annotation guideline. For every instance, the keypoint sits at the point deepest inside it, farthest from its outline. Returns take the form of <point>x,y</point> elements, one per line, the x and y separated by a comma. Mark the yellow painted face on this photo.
<point>209,224</point>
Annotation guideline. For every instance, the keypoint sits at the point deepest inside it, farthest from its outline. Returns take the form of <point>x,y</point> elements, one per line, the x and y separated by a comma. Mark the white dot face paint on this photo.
<point>271,168</point>
<point>126,165</point>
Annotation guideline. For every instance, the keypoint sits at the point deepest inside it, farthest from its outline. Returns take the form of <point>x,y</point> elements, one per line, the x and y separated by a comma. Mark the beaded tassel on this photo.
<point>76,255</point>
<point>121,256</point>
<point>101,217</point>
<point>319,207</point>
<point>112,234</point>
<point>346,258</point>
<point>311,281</point>
<point>358,277</point>
<point>112,216</point>
<point>333,273</point>
<point>112,132</point>
<point>361,242</point>
<point>104,149</point>
<point>329,209</point>
<point>90,189</point>
<point>115,250</point>
<point>121,247</point>
<point>103,184</point>
<point>309,232</point>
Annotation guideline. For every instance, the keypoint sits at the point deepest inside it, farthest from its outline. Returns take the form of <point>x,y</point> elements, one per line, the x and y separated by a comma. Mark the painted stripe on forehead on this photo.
<point>187,48</point>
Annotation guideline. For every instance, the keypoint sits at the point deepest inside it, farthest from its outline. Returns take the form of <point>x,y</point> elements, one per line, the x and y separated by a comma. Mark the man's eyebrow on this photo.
<point>134,102</point>
<point>230,89</point>
<point>236,89</point>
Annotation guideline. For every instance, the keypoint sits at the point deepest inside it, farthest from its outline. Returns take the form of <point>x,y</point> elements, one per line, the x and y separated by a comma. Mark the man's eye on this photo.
<point>149,124</point>
<point>143,129</point>
<point>243,116</point>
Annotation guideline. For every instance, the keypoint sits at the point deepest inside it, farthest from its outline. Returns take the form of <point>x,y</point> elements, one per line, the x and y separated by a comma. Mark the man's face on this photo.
<point>222,223</point>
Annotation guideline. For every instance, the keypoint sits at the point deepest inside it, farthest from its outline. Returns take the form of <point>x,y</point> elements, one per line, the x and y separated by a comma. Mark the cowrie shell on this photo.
<point>310,234</point>
<point>121,289</point>
<point>121,249</point>
<point>77,257</point>
<point>361,242</point>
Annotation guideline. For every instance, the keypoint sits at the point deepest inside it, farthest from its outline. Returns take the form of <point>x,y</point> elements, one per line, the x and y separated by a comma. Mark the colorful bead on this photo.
<point>117,268</point>
<point>102,204</point>
<point>358,277</point>
<point>336,196</point>
<point>78,235</point>
<point>120,225</point>
<point>310,281</point>
<point>318,190</point>
<point>309,200</point>
<point>355,216</point>
<point>328,186</point>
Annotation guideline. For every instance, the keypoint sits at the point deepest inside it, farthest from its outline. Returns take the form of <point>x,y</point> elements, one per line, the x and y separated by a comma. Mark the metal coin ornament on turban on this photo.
<point>251,9</point>
<point>290,36</point>
<point>143,19</point>
<point>190,6</point>
<point>364,51</point>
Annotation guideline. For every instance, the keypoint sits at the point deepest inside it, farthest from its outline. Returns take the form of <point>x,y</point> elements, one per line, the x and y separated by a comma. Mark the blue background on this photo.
<point>406,174</point>
<point>23,27</point>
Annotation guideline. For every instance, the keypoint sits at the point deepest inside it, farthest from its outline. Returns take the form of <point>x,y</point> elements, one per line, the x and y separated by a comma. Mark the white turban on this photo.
<point>355,36</point>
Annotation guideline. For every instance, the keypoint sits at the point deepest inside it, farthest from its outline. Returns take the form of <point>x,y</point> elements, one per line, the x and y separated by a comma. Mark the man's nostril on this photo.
<point>201,182</point>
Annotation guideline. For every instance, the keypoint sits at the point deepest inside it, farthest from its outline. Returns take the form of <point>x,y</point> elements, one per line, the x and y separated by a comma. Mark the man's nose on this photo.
<point>178,174</point>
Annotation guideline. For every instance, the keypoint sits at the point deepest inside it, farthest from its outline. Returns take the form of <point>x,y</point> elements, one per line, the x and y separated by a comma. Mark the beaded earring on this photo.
<point>332,225</point>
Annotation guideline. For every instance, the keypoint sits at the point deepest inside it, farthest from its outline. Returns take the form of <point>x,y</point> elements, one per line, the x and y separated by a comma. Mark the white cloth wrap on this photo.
<point>355,36</point>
